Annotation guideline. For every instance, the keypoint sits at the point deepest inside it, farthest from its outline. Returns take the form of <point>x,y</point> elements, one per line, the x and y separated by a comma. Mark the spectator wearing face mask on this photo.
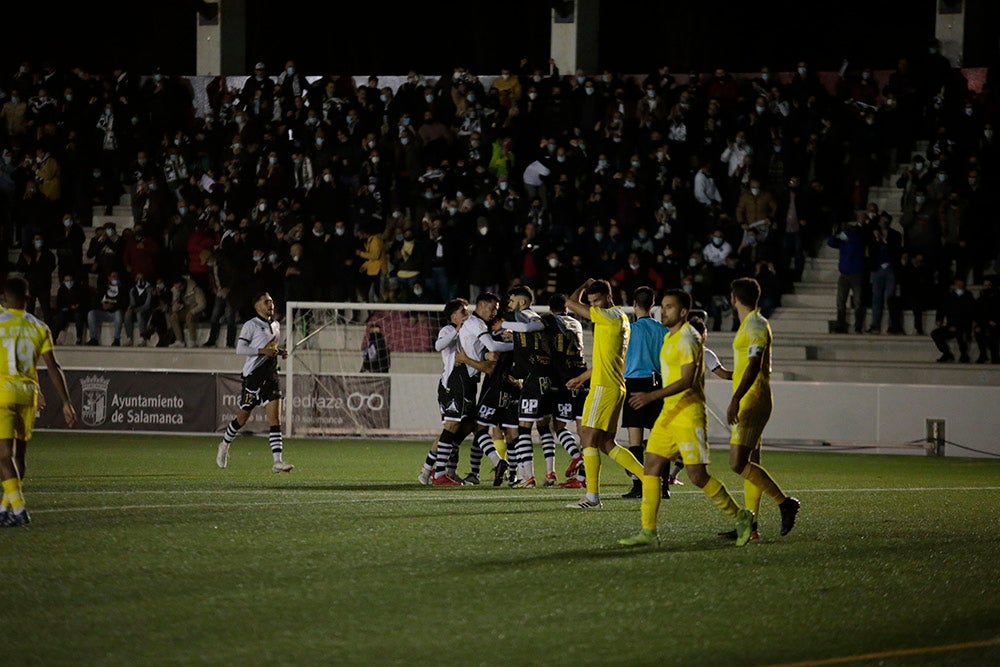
<point>138,311</point>
<point>72,304</point>
<point>717,249</point>
<point>37,264</point>
<point>110,307</point>
<point>851,264</point>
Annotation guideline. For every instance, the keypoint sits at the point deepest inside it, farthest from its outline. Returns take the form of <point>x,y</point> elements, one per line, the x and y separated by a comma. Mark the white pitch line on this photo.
<point>408,489</point>
<point>450,496</point>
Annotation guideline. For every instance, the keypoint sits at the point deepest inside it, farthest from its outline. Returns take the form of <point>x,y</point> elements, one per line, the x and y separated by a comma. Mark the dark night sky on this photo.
<point>383,38</point>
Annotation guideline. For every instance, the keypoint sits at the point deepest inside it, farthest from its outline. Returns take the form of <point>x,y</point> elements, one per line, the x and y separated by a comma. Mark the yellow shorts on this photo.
<point>16,421</point>
<point>671,440</point>
<point>751,420</point>
<point>603,408</point>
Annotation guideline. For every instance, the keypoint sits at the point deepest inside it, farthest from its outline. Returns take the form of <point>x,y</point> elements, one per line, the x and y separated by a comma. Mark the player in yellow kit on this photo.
<point>603,406</point>
<point>23,340</point>
<point>750,408</point>
<point>681,429</point>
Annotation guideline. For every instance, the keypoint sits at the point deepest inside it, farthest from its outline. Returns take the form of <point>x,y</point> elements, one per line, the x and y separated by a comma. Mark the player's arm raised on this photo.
<point>575,302</point>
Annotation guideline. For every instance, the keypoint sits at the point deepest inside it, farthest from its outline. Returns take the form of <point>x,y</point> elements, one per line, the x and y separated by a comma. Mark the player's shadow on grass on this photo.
<point>601,552</point>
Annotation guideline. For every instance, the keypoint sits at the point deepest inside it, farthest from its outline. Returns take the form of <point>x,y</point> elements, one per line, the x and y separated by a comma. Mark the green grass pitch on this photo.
<point>142,552</point>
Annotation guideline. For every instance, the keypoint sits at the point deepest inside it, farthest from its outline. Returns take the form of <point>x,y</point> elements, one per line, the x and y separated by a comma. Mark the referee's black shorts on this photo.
<point>645,416</point>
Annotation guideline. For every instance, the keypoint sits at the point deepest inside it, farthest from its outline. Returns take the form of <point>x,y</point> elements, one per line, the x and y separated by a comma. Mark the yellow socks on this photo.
<point>651,487</point>
<point>751,497</point>
<point>12,494</point>
<point>627,460</point>
<point>719,494</point>
<point>592,468</point>
<point>501,446</point>
<point>757,476</point>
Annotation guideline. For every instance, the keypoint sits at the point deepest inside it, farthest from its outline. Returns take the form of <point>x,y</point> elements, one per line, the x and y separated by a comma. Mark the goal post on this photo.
<point>332,387</point>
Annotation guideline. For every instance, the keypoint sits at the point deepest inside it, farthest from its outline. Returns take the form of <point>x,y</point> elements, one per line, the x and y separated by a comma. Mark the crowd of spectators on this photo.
<point>447,186</point>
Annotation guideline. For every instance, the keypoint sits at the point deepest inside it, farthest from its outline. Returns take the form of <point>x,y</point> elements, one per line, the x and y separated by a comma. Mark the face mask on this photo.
<point>919,166</point>
<point>629,184</point>
<point>616,139</point>
<point>153,187</point>
<point>483,231</point>
<point>755,191</point>
<point>777,149</point>
<point>650,94</point>
<point>589,91</point>
<point>257,258</point>
<point>452,210</point>
<point>959,292</point>
<point>801,71</point>
<point>428,195</point>
<point>668,205</point>
<point>399,237</point>
<point>942,177</point>
<point>642,236</point>
<point>328,178</point>
<point>598,236</point>
<point>272,160</point>
<point>688,288</point>
<point>636,164</point>
<point>503,185</point>
<point>67,223</point>
<point>532,96</point>
<point>560,158</point>
<point>716,241</point>
<point>339,231</point>
<point>470,98</point>
<point>842,236</point>
<point>417,291</point>
<point>634,267</point>
<point>920,199</point>
<point>68,284</point>
<point>273,257</point>
<point>602,164</point>
<point>113,283</point>
<point>404,140</point>
<point>692,262</point>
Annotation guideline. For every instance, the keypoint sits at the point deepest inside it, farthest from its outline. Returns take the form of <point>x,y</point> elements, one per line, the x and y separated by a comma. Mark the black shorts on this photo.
<point>498,403</point>
<point>537,400</point>
<point>569,403</point>
<point>457,399</point>
<point>259,388</point>
<point>645,416</point>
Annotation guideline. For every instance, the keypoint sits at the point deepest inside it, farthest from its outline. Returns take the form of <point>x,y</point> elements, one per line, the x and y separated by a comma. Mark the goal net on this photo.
<point>361,369</point>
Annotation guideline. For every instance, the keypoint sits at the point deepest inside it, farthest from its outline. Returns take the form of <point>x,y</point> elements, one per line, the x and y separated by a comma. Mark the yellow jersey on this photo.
<point>611,335</point>
<point>684,347</point>
<point>753,340</point>
<point>23,339</point>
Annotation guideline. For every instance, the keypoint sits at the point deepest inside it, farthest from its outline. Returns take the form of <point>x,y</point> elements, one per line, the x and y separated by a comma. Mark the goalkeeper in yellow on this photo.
<point>681,429</point>
<point>750,407</point>
<point>23,340</point>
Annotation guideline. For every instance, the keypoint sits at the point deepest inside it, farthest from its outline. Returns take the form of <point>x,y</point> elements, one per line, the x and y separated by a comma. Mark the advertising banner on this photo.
<point>133,401</point>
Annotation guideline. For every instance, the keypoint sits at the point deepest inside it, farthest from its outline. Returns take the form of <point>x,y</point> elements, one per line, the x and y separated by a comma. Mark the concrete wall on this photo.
<point>885,418</point>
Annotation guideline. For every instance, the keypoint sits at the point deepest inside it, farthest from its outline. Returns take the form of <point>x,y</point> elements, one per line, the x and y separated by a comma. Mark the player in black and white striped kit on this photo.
<point>258,342</point>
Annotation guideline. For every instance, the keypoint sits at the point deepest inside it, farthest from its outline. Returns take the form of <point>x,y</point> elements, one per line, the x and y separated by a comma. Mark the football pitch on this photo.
<point>142,552</point>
